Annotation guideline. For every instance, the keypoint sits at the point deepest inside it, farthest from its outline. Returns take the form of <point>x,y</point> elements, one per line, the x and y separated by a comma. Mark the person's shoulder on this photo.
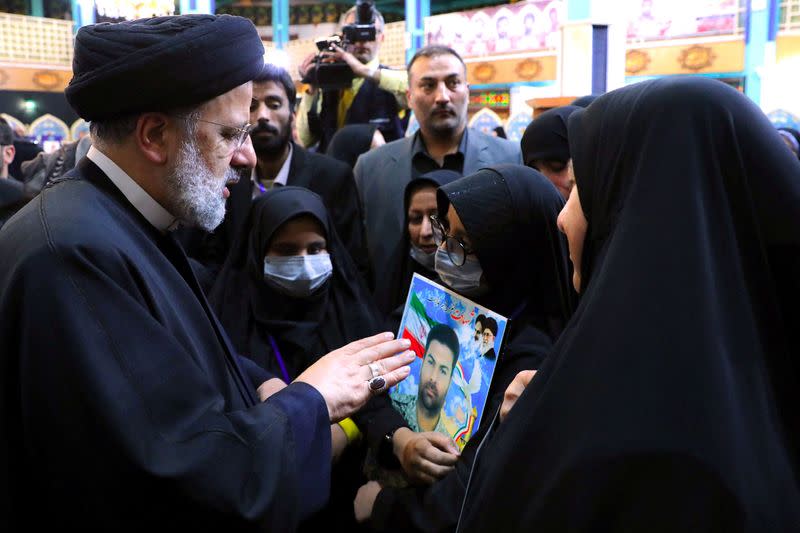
<point>61,221</point>
<point>75,215</point>
<point>494,142</point>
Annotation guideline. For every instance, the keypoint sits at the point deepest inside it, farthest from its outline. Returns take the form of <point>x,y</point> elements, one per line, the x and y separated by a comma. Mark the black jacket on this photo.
<point>122,405</point>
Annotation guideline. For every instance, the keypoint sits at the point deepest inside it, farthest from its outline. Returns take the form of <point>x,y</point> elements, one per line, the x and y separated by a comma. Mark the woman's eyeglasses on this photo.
<point>456,250</point>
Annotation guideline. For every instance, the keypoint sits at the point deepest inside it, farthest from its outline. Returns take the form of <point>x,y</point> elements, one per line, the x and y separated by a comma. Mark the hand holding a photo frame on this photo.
<point>425,457</point>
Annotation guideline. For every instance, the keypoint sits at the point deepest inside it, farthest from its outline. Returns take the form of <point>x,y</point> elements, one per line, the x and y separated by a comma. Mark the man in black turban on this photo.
<point>124,406</point>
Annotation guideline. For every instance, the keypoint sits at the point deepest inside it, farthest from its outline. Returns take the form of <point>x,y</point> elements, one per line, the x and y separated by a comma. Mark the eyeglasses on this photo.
<point>456,250</point>
<point>234,136</point>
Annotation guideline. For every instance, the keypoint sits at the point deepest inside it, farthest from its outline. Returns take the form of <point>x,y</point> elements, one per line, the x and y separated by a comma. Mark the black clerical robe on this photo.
<point>123,407</point>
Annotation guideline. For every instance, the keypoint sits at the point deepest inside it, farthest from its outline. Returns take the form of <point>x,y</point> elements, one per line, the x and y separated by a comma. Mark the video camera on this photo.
<point>338,74</point>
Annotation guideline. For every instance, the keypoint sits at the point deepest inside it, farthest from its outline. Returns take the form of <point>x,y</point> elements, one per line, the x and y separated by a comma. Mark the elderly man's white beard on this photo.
<point>195,193</point>
<point>485,347</point>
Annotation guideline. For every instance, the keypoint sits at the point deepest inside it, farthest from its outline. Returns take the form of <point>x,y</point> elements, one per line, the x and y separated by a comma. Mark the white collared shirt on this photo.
<point>280,179</point>
<point>138,197</point>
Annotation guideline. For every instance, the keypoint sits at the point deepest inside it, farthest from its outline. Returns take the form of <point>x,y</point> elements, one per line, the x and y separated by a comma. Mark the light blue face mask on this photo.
<point>465,279</point>
<point>424,259</point>
<point>298,275</point>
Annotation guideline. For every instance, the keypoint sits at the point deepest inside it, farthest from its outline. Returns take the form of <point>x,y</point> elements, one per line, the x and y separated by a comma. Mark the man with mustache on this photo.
<point>438,94</point>
<point>424,412</point>
<point>376,96</point>
<point>281,161</point>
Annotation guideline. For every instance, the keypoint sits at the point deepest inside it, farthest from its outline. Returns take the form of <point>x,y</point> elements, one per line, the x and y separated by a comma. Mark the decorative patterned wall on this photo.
<point>690,57</point>
<point>35,40</point>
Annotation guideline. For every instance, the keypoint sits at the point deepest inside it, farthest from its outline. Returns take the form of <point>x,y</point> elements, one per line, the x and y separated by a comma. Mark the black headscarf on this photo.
<point>392,292</point>
<point>509,213</point>
<point>303,329</point>
<point>502,207</point>
<point>670,401</point>
<point>349,142</point>
<point>546,136</point>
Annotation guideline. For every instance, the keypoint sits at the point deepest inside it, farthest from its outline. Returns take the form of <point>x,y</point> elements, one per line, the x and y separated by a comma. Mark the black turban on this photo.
<point>160,63</point>
<point>546,137</point>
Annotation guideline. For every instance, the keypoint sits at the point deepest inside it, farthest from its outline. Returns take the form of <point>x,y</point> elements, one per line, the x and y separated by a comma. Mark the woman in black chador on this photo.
<point>285,302</point>
<point>501,248</point>
<point>416,251</point>
<point>289,293</point>
<point>670,401</point>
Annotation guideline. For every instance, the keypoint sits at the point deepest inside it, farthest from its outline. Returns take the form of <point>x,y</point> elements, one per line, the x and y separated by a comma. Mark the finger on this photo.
<point>526,379</point>
<point>443,442</point>
<point>384,350</point>
<point>515,389</point>
<point>522,378</point>
<point>425,479</point>
<point>395,377</point>
<point>434,470</point>
<point>436,456</point>
<point>384,366</point>
<point>365,343</point>
<point>392,363</point>
<point>511,395</point>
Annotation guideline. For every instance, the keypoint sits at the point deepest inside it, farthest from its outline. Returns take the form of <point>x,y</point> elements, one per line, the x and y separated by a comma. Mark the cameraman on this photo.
<point>376,95</point>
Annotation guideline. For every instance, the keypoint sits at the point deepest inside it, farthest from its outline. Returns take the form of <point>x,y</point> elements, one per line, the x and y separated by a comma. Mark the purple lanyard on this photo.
<point>263,190</point>
<point>279,358</point>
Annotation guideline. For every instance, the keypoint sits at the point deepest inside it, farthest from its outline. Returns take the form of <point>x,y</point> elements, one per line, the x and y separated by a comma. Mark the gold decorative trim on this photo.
<point>484,72</point>
<point>697,57</point>
<point>528,69</point>
<point>636,61</point>
<point>47,79</point>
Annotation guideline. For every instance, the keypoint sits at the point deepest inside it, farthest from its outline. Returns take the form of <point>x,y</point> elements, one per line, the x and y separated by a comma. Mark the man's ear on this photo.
<point>155,136</point>
<point>8,154</point>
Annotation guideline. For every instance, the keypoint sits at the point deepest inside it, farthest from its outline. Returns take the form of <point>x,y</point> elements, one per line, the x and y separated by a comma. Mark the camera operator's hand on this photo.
<point>306,65</point>
<point>324,57</point>
<point>359,69</point>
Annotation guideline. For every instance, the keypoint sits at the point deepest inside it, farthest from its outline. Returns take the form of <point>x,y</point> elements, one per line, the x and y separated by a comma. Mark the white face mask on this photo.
<point>464,279</point>
<point>424,259</point>
<point>298,275</point>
